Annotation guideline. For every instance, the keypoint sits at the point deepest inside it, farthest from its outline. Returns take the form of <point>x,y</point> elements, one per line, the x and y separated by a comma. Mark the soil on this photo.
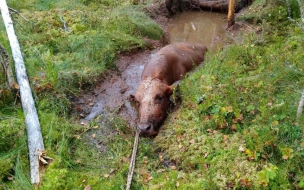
<point>112,93</point>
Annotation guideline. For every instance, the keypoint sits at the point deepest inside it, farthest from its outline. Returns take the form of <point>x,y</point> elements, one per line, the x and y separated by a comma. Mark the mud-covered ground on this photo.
<point>111,94</point>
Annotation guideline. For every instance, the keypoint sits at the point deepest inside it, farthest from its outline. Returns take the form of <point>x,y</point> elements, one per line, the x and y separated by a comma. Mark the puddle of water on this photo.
<point>207,28</point>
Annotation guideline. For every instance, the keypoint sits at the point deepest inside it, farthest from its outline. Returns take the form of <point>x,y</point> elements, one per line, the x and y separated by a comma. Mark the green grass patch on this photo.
<point>237,126</point>
<point>67,45</point>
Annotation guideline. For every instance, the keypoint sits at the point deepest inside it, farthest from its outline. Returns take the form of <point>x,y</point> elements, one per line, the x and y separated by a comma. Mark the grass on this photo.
<point>59,62</point>
<point>236,127</point>
<point>242,112</point>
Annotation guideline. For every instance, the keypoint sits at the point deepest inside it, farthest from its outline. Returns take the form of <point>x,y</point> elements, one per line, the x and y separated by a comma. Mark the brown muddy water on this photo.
<point>201,27</point>
<point>111,96</point>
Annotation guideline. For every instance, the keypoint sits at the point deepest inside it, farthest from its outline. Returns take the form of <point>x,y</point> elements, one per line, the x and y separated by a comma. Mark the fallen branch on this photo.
<point>132,162</point>
<point>65,26</point>
<point>34,136</point>
<point>15,11</point>
<point>301,106</point>
<point>8,69</point>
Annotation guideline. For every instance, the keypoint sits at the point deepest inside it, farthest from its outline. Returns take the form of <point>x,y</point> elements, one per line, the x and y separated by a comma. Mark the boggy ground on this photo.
<point>110,95</point>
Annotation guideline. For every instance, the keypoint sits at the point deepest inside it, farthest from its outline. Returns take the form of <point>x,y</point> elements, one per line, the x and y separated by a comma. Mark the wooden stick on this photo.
<point>300,107</point>
<point>231,20</point>
<point>34,136</point>
<point>132,162</point>
<point>7,68</point>
<point>15,11</point>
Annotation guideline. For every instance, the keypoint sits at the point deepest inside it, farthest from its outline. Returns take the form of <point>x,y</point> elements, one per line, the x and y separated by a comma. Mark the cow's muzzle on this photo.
<point>146,130</point>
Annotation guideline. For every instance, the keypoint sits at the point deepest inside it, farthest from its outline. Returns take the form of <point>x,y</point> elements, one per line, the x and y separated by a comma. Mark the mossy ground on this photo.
<point>236,127</point>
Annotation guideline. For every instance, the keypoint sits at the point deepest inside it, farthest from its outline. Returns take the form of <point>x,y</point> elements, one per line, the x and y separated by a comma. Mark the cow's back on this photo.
<point>173,61</point>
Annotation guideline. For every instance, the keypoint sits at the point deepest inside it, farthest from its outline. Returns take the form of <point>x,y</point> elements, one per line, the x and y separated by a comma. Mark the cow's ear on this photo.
<point>169,90</point>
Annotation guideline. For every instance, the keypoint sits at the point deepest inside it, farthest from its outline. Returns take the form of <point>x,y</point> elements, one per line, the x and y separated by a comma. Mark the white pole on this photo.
<point>35,142</point>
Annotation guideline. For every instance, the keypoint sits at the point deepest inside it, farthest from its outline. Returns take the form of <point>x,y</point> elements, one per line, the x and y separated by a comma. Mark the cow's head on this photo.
<point>152,99</point>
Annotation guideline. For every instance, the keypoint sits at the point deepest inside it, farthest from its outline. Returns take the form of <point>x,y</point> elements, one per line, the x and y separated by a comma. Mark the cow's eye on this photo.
<point>159,99</point>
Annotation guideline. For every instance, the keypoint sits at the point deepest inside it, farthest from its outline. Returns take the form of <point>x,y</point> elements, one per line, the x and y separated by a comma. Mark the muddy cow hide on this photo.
<point>167,66</point>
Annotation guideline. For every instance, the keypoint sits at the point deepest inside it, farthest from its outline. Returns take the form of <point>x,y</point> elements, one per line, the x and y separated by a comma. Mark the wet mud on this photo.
<point>111,94</point>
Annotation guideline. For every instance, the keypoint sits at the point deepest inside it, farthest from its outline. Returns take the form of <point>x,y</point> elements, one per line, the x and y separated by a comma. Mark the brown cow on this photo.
<point>168,65</point>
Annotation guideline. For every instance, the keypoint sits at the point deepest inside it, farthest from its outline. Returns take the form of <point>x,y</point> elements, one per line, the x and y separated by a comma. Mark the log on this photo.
<point>34,136</point>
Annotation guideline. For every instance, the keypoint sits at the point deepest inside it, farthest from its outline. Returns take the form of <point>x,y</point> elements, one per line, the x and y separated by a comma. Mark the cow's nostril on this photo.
<point>145,128</point>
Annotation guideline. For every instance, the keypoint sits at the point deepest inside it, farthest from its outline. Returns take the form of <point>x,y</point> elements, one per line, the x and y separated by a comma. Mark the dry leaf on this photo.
<point>112,171</point>
<point>87,187</point>
<point>177,184</point>
<point>245,183</point>
<point>77,137</point>
<point>160,170</point>
<point>233,127</point>
<point>83,123</point>
<point>225,137</point>
<point>93,135</point>
<point>16,86</point>
<point>241,149</point>
<point>285,157</point>
<point>160,156</point>
<point>95,127</point>
<point>192,141</point>
<point>125,159</point>
<point>106,175</point>
<point>206,154</point>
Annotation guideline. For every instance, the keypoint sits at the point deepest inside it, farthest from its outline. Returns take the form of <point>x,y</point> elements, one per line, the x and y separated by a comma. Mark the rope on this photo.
<point>132,162</point>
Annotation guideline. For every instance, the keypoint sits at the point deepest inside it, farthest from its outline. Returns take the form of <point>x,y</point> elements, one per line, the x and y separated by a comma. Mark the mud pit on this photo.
<point>111,95</point>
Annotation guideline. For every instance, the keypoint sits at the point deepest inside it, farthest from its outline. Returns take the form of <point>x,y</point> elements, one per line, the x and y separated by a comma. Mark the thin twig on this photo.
<point>15,11</point>
<point>132,162</point>
<point>65,26</point>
